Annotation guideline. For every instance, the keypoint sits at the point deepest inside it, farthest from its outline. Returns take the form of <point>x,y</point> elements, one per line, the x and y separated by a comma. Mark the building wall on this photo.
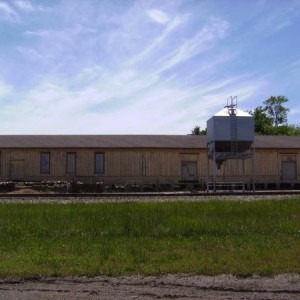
<point>154,166</point>
<point>121,165</point>
<point>267,167</point>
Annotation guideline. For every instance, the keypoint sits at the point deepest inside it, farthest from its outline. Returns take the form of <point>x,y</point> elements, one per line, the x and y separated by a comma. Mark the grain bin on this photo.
<point>230,136</point>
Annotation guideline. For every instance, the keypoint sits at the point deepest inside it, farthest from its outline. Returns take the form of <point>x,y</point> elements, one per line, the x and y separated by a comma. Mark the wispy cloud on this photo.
<point>294,68</point>
<point>158,16</point>
<point>202,41</point>
<point>24,5</point>
<point>62,33</point>
<point>124,98</point>
<point>276,17</point>
<point>7,13</point>
<point>5,90</point>
<point>137,66</point>
<point>31,54</point>
<point>170,28</point>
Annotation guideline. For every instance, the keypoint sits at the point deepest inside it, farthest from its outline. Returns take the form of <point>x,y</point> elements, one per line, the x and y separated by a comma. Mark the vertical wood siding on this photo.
<point>144,165</point>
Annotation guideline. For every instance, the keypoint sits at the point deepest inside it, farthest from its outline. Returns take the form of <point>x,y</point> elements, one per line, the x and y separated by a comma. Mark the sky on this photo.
<point>142,66</point>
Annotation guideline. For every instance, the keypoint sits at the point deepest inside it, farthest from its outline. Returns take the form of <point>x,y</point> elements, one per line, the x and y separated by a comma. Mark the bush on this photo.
<point>7,187</point>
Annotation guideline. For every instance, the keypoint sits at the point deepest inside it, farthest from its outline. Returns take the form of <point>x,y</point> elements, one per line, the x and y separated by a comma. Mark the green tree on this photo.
<point>262,123</point>
<point>197,131</point>
<point>274,106</point>
<point>287,130</point>
<point>271,119</point>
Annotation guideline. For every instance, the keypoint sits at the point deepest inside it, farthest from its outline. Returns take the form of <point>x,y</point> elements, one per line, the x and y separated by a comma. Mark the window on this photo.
<point>99,163</point>
<point>71,162</point>
<point>45,163</point>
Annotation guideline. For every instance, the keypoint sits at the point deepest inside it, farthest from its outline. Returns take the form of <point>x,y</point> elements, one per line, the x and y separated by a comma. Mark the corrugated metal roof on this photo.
<point>133,141</point>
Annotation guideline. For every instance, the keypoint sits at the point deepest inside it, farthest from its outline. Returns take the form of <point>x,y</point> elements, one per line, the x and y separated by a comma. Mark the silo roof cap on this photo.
<point>239,113</point>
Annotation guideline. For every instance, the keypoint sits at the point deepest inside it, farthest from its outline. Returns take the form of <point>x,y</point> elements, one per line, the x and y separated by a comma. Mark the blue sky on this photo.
<point>142,66</point>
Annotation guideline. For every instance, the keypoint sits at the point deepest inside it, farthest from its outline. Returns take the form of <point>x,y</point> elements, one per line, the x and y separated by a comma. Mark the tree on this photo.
<point>262,123</point>
<point>272,118</point>
<point>197,131</point>
<point>287,130</point>
<point>274,107</point>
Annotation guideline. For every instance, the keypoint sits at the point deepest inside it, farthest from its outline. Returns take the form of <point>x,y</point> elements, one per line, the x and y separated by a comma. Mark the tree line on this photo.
<point>271,118</point>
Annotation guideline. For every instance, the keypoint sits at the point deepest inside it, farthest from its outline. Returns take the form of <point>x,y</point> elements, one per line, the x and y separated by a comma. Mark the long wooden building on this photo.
<point>143,159</point>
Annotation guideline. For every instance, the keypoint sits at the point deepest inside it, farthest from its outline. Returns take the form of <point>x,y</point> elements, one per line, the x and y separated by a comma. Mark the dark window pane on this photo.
<point>99,163</point>
<point>71,162</point>
<point>45,163</point>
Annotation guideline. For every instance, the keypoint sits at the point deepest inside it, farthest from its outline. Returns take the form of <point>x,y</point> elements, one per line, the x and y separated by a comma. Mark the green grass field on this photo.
<point>213,237</point>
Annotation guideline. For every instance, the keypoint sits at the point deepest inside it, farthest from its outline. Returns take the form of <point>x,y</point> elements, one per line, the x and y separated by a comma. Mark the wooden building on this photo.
<point>148,159</point>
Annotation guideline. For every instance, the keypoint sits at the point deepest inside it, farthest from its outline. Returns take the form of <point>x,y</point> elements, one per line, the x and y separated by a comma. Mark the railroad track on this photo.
<point>151,196</point>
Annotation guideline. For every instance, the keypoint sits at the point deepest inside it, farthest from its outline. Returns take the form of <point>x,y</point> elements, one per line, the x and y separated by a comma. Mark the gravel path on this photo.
<point>101,199</point>
<point>284,286</point>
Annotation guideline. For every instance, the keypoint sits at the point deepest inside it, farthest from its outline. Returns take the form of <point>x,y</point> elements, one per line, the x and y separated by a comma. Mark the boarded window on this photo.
<point>99,163</point>
<point>16,169</point>
<point>45,163</point>
<point>289,170</point>
<point>189,171</point>
<point>71,162</point>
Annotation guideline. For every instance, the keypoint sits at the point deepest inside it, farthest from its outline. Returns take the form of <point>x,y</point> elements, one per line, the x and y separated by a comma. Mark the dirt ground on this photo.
<point>284,286</point>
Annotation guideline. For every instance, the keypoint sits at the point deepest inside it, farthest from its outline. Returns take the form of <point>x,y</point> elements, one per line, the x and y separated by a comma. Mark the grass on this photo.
<point>214,237</point>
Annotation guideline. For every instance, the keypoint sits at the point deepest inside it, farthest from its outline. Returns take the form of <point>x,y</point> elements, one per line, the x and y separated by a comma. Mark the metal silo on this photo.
<point>230,136</point>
